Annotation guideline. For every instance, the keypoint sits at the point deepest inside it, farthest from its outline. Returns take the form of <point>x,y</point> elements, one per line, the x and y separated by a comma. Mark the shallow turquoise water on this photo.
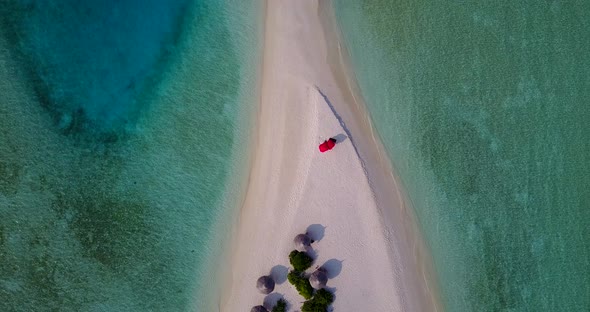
<point>121,128</point>
<point>483,108</point>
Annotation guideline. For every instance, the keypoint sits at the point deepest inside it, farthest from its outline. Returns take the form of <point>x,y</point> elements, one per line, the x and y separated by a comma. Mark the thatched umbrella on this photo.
<point>265,284</point>
<point>318,279</point>
<point>259,308</point>
<point>302,241</point>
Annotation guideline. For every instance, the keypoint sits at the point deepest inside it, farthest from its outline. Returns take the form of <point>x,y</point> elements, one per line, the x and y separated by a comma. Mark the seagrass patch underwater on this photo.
<point>482,106</point>
<point>119,128</point>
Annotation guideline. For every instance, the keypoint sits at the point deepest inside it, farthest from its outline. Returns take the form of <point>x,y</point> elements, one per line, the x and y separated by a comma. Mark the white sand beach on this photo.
<point>348,198</point>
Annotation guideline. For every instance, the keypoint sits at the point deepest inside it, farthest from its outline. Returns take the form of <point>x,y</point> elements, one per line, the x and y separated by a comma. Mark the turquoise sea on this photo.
<point>122,133</point>
<point>483,107</point>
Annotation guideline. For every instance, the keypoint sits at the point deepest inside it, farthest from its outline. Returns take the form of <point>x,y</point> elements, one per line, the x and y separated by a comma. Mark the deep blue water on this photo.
<point>92,58</point>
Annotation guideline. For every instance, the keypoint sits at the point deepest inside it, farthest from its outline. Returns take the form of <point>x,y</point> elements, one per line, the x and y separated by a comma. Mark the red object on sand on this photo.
<point>327,145</point>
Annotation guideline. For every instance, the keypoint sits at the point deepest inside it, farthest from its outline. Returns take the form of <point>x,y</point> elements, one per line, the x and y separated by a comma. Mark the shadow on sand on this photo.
<point>279,273</point>
<point>340,138</point>
<point>343,125</point>
<point>271,300</point>
<point>333,267</point>
<point>316,232</point>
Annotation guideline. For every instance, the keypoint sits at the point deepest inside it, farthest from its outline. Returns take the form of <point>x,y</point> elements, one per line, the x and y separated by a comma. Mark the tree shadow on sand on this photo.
<point>271,300</point>
<point>312,253</point>
<point>333,291</point>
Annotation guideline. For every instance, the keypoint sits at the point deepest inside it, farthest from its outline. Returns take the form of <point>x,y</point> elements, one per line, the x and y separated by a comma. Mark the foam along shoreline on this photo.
<point>364,231</point>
